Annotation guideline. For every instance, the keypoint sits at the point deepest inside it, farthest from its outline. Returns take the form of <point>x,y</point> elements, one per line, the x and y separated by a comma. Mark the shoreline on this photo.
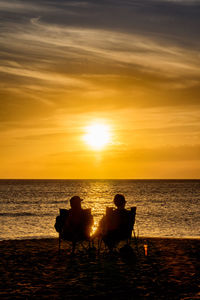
<point>140,238</point>
<point>33,269</point>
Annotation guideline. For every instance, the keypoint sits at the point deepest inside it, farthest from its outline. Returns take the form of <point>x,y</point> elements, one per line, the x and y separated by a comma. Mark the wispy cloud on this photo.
<point>62,44</point>
<point>25,7</point>
<point>75,41</point>
<point>55,79</point>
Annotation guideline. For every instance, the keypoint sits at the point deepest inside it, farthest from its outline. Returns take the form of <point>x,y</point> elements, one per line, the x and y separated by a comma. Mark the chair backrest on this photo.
<point>120,221</point>
<point>72,230</point>
<point>60,220</point>
<point>87,214</point>
<point>64,213</point>
<point>132,216</point>
<point>87,221</point>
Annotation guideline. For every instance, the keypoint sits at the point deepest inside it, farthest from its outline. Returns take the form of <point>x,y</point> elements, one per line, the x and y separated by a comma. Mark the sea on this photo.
<point>165,208</point>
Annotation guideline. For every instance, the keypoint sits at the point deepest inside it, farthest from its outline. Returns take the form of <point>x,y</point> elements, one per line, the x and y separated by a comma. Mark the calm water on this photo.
<point>165,208</point>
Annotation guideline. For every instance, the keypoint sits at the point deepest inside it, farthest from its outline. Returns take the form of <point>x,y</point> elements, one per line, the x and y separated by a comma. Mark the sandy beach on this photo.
<point>33,269</point>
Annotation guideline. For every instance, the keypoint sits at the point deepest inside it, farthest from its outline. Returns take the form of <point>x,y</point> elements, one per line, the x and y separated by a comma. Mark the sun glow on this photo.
<point>97,136</point>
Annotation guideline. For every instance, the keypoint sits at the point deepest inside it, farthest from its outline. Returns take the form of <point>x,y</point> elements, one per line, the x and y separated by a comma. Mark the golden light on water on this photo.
<point>97,136</point>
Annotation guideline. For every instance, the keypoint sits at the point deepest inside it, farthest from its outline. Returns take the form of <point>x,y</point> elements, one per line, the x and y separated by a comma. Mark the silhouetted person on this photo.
<point>120,202</point>
<point>78,223</point>
<point>113,225</point>
<point>117,224</point>
<point>118,220</point>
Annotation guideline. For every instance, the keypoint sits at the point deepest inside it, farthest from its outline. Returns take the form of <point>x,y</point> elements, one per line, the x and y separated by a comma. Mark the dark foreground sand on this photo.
<point>33,269</point>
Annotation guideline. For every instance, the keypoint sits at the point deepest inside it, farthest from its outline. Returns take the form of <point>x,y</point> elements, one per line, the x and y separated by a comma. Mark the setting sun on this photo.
<point>97,136</point>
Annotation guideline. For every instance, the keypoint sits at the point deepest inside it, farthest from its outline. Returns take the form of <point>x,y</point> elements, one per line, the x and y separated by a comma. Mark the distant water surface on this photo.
<point>165,208</point>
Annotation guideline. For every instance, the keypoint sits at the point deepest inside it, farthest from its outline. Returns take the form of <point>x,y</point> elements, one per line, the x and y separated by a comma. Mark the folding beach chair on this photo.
<point>71,233</point>
<point>117,226</point>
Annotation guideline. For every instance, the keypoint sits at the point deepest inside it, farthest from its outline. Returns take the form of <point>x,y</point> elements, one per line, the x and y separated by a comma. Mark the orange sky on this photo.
<point>68,65</point>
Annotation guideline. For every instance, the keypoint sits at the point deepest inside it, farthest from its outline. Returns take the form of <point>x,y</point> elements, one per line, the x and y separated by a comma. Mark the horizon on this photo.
<point>156,179</point>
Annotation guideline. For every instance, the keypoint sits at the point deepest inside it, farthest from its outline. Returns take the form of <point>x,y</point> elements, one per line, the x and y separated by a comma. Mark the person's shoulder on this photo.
<point>121,210</point>
<point>126,211</point>
<point>86,211</point>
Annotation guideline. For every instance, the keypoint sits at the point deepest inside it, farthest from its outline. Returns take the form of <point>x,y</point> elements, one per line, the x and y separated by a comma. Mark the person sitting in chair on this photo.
<point>79,221</point>
<point>117,219</point>
<point>115,225</point>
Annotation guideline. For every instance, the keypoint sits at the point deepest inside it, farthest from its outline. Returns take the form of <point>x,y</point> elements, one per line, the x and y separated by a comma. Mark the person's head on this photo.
<point>119,201</point>
<point>75,202</point>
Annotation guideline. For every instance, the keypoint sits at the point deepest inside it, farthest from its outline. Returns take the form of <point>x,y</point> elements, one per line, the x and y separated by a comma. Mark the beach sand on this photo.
<point>32,269</point>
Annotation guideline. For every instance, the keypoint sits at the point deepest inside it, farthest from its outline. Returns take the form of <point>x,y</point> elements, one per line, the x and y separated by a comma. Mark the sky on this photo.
<point>131,65</point>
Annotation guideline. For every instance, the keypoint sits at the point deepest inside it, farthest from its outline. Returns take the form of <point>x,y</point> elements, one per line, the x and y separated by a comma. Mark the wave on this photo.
<point>58,201</point>
<point>9,201</point>
<point>24,214</point>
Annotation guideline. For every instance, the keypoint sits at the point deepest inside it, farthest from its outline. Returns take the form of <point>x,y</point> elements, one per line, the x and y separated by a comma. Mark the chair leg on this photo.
<point>135,240</point>
<point>73,247</point>
<point>93,243</point>
<point>59,244</point>
<point>99,245</point>
<point>82,244</point>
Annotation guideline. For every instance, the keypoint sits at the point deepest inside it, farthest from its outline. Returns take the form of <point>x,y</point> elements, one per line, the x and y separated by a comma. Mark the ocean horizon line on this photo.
<point>136,179</point>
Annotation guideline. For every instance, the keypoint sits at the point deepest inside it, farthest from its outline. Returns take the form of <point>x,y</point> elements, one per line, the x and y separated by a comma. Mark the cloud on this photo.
<point>52,46</point>
<point>22,7</point>
<point>55,79</point>
<point>94,55</point>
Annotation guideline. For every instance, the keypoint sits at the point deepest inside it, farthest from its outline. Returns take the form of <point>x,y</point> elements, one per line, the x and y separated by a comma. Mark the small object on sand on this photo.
<point>145,249</point>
